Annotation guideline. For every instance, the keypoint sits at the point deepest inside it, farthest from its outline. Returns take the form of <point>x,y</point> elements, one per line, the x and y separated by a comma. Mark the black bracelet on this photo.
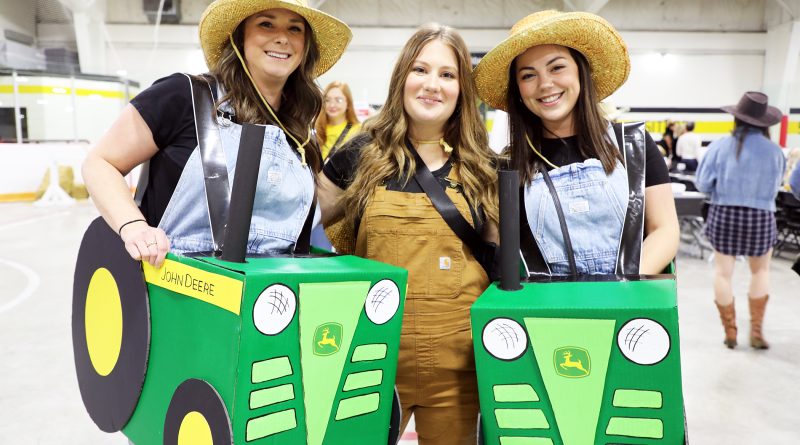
<point>119,231</point>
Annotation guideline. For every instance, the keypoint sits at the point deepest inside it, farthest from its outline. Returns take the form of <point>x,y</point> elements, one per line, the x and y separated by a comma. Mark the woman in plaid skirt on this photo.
<point>743,172</point>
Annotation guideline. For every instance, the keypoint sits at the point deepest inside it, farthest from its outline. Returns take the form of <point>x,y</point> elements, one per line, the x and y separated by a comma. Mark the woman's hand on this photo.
<point>145,243</point>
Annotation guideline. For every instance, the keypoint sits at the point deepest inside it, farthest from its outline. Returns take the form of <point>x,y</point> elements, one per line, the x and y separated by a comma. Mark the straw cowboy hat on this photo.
<point>587,33</point>
<point>753,109</point>
<point>222,17</point>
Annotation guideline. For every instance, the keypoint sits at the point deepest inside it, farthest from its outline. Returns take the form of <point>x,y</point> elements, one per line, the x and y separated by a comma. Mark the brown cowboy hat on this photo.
<point>589,34</point>
<point>222,17</point>
<point>753,108</point>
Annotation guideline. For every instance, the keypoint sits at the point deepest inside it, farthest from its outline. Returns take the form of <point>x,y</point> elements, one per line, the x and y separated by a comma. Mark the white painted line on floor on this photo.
<point>32,220</point>
<point>30,288</point>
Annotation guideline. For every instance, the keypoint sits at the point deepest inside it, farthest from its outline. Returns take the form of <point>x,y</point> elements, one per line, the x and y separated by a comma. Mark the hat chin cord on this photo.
<point>300,147</point>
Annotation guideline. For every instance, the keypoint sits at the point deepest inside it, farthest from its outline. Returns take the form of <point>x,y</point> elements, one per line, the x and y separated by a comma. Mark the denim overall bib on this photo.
<point>436,377</point>
<point>282,201</point>
<point>594,206</point>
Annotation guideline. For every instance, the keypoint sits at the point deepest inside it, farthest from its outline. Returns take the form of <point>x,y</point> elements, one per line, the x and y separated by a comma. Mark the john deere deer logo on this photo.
<point>572,362</point>
<point>327,339</point>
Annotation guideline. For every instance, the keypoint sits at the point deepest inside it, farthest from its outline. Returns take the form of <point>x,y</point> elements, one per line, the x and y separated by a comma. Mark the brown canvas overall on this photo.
<point>436,370</point>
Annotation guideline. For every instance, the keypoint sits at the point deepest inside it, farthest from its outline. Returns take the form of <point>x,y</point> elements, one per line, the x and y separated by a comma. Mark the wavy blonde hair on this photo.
<point>301,97</point>
<point>387,156</point>
<point>349,114</point>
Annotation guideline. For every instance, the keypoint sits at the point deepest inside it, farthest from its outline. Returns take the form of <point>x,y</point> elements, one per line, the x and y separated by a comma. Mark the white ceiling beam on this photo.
<point>592,6</point>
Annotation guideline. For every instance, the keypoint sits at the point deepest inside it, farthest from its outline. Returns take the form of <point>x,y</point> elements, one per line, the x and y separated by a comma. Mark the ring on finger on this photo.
<point>151,244</point>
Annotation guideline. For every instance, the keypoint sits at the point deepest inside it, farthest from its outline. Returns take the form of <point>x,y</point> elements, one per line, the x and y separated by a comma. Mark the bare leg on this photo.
<point>723,272</point>
<point>759,281</point>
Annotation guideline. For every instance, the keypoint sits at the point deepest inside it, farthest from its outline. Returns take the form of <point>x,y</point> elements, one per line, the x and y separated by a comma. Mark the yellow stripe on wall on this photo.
<point>61,91</point>
<point>16,197</point>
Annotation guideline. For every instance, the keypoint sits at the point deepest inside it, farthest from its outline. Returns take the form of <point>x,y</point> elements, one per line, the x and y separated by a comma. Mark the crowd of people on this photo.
<point>375,181</point>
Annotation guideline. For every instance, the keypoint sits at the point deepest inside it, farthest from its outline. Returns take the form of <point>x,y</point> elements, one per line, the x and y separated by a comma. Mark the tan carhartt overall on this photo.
<point>436,368</point>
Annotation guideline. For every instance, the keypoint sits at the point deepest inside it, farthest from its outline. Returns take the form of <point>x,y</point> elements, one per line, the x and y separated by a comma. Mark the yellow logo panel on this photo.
<point>219,290</point>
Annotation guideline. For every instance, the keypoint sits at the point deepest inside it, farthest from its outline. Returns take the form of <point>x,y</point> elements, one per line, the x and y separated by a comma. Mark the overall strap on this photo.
<point>532,258</point>
<point>573,268</point>
<point>444,205</point>
<point>303,244</point>
<point>631,141</point>
<point>215,169</point>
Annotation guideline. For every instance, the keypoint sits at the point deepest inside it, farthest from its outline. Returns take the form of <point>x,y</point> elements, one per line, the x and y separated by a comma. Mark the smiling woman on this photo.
<point>428,132</point>
<point>264,57</point>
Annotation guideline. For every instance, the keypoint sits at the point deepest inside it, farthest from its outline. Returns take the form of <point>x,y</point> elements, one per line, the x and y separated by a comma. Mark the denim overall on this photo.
<point>436,377</point>
<point>283,196</point>
<point>594,206</point>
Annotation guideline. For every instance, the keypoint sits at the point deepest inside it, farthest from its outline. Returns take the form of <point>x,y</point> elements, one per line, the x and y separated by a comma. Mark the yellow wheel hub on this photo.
<point>194,430</point>
<point>103,321</point>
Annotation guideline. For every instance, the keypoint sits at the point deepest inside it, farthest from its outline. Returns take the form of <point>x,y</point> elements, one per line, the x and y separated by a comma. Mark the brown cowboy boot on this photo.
<point>728,316</point>
<point>757,308</point>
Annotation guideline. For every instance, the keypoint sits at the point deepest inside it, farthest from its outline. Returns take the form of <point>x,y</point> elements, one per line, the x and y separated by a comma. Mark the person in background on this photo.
<point>337,121</point>
<point>430,117</point>
<point>743,173</point>
<point>687,147</point>
<point>264,57</point>
<point>550,74</point>
<point>794,181</point>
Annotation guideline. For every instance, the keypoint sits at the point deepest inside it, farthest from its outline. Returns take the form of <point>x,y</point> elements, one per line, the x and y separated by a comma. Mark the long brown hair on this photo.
<point>388,157</point>
<point>322,118</point>
<point>591,127</point>
<point>301,97</point>
<point>741,129</point>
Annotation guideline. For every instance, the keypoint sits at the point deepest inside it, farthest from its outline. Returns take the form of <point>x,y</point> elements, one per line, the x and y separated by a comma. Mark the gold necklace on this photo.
<point>300,147</point>
<point>530,144</point>
<point>445,145</point>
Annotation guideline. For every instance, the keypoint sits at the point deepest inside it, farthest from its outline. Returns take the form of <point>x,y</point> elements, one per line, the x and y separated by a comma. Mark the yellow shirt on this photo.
<point>332,135</point>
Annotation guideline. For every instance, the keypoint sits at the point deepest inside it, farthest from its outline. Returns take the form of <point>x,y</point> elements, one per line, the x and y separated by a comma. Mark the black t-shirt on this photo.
<point>342,165</point>
<point>166,108</point>
<point>565,151</point>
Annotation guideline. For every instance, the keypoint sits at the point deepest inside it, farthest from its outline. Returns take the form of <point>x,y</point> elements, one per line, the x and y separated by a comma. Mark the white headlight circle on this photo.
<point>382,301</point>
<point>643,341</point>
<point>274,309</point>
<point>504,339</point>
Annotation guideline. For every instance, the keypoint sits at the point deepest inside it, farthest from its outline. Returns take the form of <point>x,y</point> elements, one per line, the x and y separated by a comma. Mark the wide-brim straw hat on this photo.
<point>222,17</point>
<point>589,34</point>
<point>754,109</point>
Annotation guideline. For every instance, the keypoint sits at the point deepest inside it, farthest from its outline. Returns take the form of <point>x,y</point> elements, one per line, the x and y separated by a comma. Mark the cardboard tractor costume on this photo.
<point>580,360</point>
<point>298,349</point>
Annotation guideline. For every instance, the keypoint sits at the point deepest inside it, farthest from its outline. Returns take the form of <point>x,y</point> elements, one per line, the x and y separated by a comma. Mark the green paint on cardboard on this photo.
<point>271,396</point>
<point>523,418</point>
<point>365,353</point>
<point>356,406</point>
<point>364,379</point>
<point>525,441</point>
<point>515,393</point>
<point>271,424</point>
<point>632,398</point>
<point>320,304</point>
<point>576,401</point>
<point>634,427</point>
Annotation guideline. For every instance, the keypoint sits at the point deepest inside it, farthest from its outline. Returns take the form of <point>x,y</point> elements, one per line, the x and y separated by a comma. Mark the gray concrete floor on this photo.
<point>739,397</point>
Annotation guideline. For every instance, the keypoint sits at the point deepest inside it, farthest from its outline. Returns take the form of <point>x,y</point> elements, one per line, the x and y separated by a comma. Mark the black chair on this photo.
<point>692,208</point>
<point>787,218</point>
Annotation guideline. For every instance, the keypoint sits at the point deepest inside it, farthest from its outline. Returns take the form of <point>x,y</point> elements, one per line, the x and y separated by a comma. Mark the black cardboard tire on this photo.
<point>110,373</point>
<point>481,440</point>
<point>395,420</point>
<point>207,410</point>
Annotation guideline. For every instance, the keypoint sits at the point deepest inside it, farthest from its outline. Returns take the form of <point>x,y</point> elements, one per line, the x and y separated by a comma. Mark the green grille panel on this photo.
<point>365,353</point>
<point>635,427</point>
<point>364,379</point>
<point>272,369</point>
<point>271,424</point>
<point>356,406</point>
<point>271,396</point>
<point>632,398</point>
<point>525,441</point>
<point>515,393</point>
<point>521,418</point>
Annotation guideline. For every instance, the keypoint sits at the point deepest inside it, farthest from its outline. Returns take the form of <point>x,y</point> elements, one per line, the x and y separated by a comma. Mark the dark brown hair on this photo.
<point>740,130</point>
<point>590,126</point>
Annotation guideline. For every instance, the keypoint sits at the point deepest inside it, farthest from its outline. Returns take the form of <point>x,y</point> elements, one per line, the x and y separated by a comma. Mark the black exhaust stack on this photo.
<point>243,193</point>
<point>509,230</point>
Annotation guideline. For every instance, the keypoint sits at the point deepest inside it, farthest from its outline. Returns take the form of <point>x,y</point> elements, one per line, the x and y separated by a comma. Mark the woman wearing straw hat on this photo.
<point>429,132</point>
<point>549,75</point>
<point>263,56</point>
<point>743,174</point>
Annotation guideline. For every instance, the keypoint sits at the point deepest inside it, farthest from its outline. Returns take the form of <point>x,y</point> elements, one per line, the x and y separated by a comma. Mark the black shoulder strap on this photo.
<point>444,205</point>
<point>532,258</point>
<point>342,135</point>
<point>215,169</point>
<point>303,244</point>
<point>631,140</point>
